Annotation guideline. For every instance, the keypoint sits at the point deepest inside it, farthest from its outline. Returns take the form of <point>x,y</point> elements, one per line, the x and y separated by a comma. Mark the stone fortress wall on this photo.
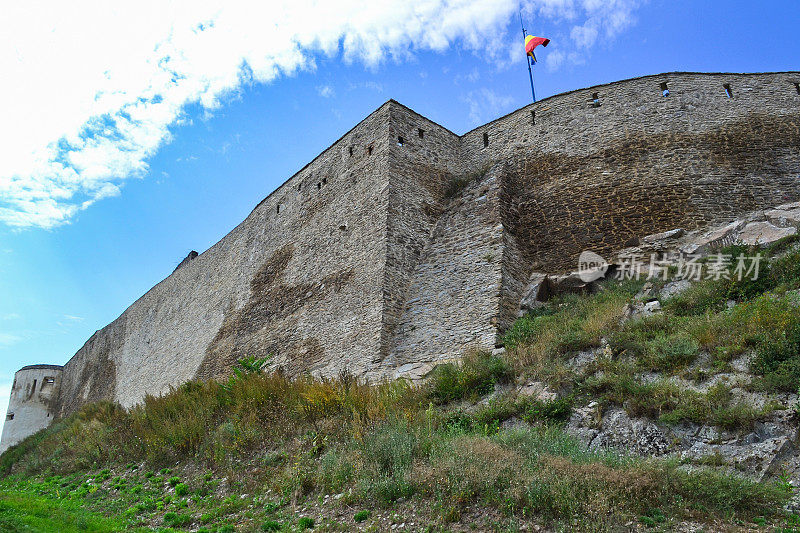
<point>404,244</point>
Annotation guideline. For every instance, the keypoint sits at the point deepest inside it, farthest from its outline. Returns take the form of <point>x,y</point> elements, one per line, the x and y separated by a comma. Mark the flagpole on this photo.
<point>527,59</point>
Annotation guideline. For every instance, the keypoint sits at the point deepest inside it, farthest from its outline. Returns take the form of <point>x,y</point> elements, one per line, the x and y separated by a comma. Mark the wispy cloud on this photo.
<point>10,316</point>
<point>325,91</point>
<point>8,339</point>
<point>92,89</point>
<point>486,102</point>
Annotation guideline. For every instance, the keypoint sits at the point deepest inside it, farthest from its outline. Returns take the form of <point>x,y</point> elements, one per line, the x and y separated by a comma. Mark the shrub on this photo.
<point>671,352</point>
<point>177,520</point>
<point>271,525</point>
<point>477,375</point>
<point>173,481</point>
<point>305,522</point>
<point>361,516</point>
<point>181,489</point>
<point>557,410</point>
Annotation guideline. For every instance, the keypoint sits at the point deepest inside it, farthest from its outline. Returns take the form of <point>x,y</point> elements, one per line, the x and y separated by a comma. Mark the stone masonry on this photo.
<point>404,244</point>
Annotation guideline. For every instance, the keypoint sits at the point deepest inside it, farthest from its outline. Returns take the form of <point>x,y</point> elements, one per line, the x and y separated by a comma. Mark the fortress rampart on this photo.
<point>404,244</point>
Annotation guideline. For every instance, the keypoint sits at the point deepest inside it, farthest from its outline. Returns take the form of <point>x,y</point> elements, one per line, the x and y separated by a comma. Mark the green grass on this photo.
<point>24,512</point>
<point>286,442</point>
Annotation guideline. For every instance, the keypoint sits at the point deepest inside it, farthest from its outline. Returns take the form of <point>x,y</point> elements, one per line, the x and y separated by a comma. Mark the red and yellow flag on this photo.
<point>531,42</point>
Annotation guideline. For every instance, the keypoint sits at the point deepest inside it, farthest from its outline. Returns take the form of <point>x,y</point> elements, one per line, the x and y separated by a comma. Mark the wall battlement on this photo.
<point>404,244</point>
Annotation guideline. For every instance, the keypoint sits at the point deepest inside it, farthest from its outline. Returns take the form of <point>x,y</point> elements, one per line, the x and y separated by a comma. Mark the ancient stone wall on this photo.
<point>404,244</point>
<point>301,278</point>
<point>597,168</point>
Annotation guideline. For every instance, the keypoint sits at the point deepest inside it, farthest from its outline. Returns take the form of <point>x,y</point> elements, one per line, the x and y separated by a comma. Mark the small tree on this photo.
<point>245,367</point>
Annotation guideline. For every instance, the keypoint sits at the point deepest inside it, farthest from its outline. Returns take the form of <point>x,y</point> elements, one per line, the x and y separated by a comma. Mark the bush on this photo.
<point>271,525</point>
<point>671,352</point>
<point>181,489</point>
<point>361,516</point>
<point>557,410</point>
<point>305,522</point>
<point>477,375</point>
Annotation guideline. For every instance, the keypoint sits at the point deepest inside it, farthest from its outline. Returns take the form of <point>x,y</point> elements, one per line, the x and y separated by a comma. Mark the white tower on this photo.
<point>31,406</point>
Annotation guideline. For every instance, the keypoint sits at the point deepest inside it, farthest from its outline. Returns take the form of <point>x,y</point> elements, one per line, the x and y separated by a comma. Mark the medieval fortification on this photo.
<point>404,244</point>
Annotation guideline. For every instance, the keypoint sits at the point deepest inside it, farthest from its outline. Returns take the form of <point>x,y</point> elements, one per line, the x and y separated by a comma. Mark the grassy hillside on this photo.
<point>464,451</point>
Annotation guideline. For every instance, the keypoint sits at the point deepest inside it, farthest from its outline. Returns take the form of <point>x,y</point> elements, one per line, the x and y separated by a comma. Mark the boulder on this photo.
<point>640,436</point>
<point>757,460</point>
<point>761,233</point>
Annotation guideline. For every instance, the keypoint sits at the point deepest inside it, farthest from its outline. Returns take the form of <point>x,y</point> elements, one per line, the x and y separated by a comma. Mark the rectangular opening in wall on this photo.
<point>324,181</point>
<point>485,140</point>
<point>278,209</point>
<point>664,89</point>
<point>49,380</point>
<point>351,151</point>
<point>533,118</point>
<point>421,133</point>
<point>595,100</point>
<point>319,185</point>
<point>728,91</point>
<point>797,87</point>
<point>400,141</point>
<point>369,150</point>
<point>33,388</point>
<point>9,416</point>
<point>298,187</point>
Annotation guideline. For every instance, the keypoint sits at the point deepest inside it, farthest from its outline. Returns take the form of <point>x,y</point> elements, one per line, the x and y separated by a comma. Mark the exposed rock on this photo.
<point>536,293</point>
<point>638,435</point>
<point>760,233</point>
<point>538,390</point>
<point>673,288</point>
<point>664,236</point>
<point>758,460</point>
<point>714,238</point>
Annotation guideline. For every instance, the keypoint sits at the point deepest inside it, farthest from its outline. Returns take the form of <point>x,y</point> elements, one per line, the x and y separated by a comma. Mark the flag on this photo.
<point>532,42</point>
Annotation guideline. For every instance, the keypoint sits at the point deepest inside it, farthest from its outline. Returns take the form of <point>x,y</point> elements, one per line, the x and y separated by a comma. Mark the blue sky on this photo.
<point>111,174</point>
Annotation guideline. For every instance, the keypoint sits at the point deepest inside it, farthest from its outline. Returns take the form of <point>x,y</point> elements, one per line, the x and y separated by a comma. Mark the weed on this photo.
<point>305,522</point>
<point>361,516</point>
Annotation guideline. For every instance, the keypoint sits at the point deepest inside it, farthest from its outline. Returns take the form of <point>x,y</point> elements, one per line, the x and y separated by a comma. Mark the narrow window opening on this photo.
<point>421,132</point>
<point>728,90</point>
<point>278,209</point>
<point>664,89</point>
<point>400,141</point>
<point>49,381</point>
<point>299,187</point>
<point>351,151</point>
<point>319,185</point>
<point>10,416</point>
<point>595,100</point>
<point>33,388</point>
<point>485,140</point>
<point>324,181</point>
<point>797,87</point>
<point>369,150</point>
<point>533,118</point>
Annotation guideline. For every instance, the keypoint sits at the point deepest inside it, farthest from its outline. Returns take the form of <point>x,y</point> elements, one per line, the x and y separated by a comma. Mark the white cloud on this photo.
<point>7,339</point>
<point>325,91</point>
<point>486,103</point>
<point>92,89</point>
